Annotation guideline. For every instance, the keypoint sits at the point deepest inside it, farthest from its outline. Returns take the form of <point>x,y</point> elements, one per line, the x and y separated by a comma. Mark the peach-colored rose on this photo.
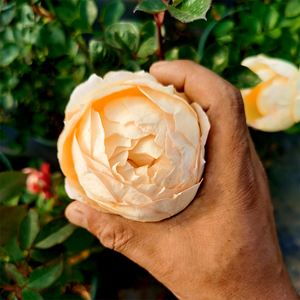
<point>274,104</point>
<point>132,147</point>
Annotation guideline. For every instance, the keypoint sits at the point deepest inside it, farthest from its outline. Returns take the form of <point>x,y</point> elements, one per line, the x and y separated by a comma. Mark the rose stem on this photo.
<point>159,19</point>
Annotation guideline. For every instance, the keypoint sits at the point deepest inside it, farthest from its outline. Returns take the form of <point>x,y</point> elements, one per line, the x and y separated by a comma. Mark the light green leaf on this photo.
<point>7,14</point>
<point>8,35</point>
<point>88,11</point>
<point>190,10</point>
<point>27,16</point>
<point>8,225</point>
<point>148,48</point>
<point>7,102</point>
<point>270,18</point>
<point>224,27</point>
<point>54,233</point>
<point>45,275</point>
<point>292,9</point>
<point>29,229</point>
<point>217,57</point>
<point>241,77</point>
<point>112,13</point>
<point>128,33</point>
<point>9,53</point>
<point>151,6</point>
<point>172,54</point>
<point>28,294</point>
<point>12,183</point>
<point>14,274</point>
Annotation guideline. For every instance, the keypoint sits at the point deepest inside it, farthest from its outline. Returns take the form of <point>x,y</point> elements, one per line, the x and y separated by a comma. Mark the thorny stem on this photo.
<point>159,18</point>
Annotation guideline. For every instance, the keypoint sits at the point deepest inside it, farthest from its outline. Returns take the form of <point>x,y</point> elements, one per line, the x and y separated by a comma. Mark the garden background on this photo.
<point>47,48</point>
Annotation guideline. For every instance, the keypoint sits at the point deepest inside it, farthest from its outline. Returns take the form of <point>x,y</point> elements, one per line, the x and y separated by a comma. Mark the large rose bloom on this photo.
<point>132,147</point>
<point>274,104</point>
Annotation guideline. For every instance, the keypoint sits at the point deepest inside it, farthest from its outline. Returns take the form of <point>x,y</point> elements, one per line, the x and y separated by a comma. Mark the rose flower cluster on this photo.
<point>132,147</point>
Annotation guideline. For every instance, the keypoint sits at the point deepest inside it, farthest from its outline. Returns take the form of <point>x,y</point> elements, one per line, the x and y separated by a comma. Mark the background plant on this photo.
<point>47,48</point>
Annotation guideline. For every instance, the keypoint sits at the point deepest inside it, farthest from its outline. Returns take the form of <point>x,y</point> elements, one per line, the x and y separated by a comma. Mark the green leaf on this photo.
<point>224,27</point>
<point>27,16</point>
<point>14,274</point>
<point>190,10</point>
<point>147,31</point>
<point>8,225</point>
<point>28,294</point>
<point>271,17</point>
<point>12,184</point>
<point>66,14</point>
<point>9,53</point>
<point>88,11</point>
<point>128,33</point>
<point>45,275</point>
<point>241,77</point>
<point>216,57</point>
<point>44,256</point>
<point>187,52</point>
<point>13,250</point>
<point>251,22</point>
<point>112,13</point>
<point>293,129</point>
<point>172,54</point>
<point>29,229</point>
<point>148,47</point>
<point>151,6</point>
<point>7,102</point>
<point>7,14</point>
<point>292,9</point>
<point>7,35</point>
<point>54,233</point>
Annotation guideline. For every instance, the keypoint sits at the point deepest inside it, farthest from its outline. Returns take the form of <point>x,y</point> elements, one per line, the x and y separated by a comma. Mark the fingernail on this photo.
<point>76,217</point>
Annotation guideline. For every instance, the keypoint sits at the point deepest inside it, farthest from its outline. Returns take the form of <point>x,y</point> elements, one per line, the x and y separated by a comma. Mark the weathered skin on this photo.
<point>224,244</point>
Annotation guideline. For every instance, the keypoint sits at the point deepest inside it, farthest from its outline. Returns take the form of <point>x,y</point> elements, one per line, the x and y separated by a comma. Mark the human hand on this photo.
<point>224,244</point>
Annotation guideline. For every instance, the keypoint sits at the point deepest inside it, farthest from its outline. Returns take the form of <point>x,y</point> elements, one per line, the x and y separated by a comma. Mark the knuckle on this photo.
<point>114,236</point>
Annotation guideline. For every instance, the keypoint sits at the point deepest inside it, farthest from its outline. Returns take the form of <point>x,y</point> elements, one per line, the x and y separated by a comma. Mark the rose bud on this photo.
<point>39,182</point>
<point>132,147</point>
<point>274,104</point>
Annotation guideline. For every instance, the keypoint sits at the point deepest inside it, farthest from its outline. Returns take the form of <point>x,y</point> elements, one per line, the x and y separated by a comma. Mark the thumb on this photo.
<point>114,232</point>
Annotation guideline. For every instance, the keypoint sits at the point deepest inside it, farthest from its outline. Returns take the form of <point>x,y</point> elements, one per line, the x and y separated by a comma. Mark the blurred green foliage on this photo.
<point>47,48</point>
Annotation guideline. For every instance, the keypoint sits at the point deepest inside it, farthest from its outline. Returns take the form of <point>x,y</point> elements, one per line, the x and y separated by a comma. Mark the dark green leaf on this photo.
<point>12,183</point>
<point>54,233</point>
<point>128,33</point>
<point>7,14</point>
<point>241,77</point>
<point>224,27</point>
<point>45,275</point>
<point>28,294</point>
<point>216,57</point>
<point>187,52</point>
<point>14,274</point>
<point>151,6</point>
<point>9,53</point>
<point>29,229</point>
<point>65,13</point>
<point>44,256</point>
<point>13,250</point>
<point>148,47</point>
<point>292,9</point>
<point>147,31</point>
<point>190,10</point>
<point>88,11</point>
<point>251,22</point>
<point>275,34</point>
<point>176,2</point>
<point>10,218</point>
<point>112,13</point>
<point>293,129</point>
<point>172,54</point>
<point>80,240</point>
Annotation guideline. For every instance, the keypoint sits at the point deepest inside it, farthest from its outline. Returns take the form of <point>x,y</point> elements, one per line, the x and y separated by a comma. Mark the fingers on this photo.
<point>133,239</point>
<point>222,103</point>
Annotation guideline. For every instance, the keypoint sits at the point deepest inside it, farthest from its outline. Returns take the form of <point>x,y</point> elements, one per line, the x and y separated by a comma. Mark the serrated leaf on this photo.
<point>12,183</point>
<point>46,275</point>
<point>28,294</point>
<point>14,274</point>
<point>54,233</point>
<point>128,32</point>
<point>148,48</point>
<point>190,10</point>
<point>292,9</point>
<point>241,77</point>
<point>112,13</point>
<point>88,11</point>
<point>151,6</point>
<point>9,53</point>
<point>8,225</point>
<point>29,229</point>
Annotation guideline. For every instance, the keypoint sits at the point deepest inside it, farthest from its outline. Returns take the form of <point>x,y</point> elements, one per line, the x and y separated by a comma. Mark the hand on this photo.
<point>224,244</point>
